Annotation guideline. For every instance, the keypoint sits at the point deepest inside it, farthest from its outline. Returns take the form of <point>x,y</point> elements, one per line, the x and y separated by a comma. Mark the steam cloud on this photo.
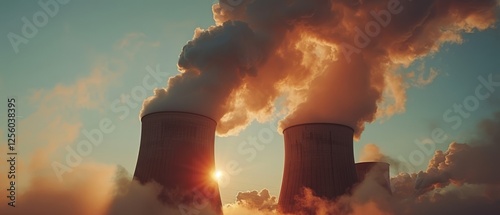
<point>213,67</point>
<point>332,61</point>
<point>252,202</point>
<point>473,163</point>
<point>371,153</point>
<point>462,180</point>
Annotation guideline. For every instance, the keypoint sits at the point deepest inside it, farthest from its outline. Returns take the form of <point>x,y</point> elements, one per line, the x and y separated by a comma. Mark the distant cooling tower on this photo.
<point>377,171</point>
<point>318,156</point>
<point>177,151</point>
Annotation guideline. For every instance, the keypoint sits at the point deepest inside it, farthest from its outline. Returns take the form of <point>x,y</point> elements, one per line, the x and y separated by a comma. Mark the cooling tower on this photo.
<point>318,156</point>
<point>377,171</point>
<point>177,151</point>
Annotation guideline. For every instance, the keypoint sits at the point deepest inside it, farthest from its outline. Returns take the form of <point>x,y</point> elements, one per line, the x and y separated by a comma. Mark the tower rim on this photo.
<point>318,123</point>
<point>177,112</point>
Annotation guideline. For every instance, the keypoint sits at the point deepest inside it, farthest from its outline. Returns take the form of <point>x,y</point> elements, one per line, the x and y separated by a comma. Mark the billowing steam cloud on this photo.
<point>261,200</point>
<point>213,67</point>
<point>333,61</point>
<point>252,202</point>
<point>463,180</point>
<point>473,163</point>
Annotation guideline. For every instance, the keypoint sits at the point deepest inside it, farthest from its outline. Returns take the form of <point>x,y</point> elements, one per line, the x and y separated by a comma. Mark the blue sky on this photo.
<point>120,39</point>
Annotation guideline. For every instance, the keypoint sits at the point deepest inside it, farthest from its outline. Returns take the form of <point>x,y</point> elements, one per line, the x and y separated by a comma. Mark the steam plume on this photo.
<point>334,61</point>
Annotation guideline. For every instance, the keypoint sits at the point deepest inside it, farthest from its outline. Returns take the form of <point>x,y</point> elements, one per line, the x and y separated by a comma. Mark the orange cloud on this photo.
<point>86,191</point>
<point>56,120</point>
<point>332,61</point>
<point>132,43</point>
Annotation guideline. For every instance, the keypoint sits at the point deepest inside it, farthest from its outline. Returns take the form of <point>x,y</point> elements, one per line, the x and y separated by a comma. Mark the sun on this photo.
<point>217,175</point>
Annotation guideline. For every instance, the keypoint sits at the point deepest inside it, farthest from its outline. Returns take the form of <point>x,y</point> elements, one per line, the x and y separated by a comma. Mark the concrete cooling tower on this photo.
<point>376,171</point>
<point>177,151</point>
<point>318,156</point>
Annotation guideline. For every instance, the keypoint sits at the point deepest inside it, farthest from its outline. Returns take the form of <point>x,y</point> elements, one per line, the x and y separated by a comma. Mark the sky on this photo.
<point>86,66</point>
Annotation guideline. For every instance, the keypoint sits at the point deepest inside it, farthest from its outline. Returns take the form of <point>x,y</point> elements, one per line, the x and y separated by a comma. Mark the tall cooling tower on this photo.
<point>177,151</point>
<point>376,171</point>
<point>318,156</point>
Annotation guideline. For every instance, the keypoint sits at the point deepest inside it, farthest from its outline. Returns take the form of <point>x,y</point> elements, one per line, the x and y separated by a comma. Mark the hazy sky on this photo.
<point>86,61</point>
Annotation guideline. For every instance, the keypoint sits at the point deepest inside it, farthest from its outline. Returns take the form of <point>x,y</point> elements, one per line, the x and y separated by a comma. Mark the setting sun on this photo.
<point>217,175</point>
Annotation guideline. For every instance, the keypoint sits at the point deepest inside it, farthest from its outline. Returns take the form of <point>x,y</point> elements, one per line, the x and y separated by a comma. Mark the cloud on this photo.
<point>394,96</point>
<point>213,67</point>
<point>460,180</point>
<point>133,42</point>
<point>368,198</point>
<point>459,191</point>
<point>56,119</point>
<point>423,81</point>
<point>90,189</point>
<point>85,93</point>
<point>473,163</point>
<point>85,191</point>
<point>419,78</point>
<point>56,123</point>
<point>355,101</point>
<point>260,200</point>
<point>131,197</point>
<point>252,202</point>
<point>332,61</point>
<point>372,153</point>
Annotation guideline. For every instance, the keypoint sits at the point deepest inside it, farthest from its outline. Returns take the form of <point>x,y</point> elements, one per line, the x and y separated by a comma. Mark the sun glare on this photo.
<point>217,175</point>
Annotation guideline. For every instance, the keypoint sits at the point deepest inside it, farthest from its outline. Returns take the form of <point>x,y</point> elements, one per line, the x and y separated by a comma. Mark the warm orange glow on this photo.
<point>217,175</point>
